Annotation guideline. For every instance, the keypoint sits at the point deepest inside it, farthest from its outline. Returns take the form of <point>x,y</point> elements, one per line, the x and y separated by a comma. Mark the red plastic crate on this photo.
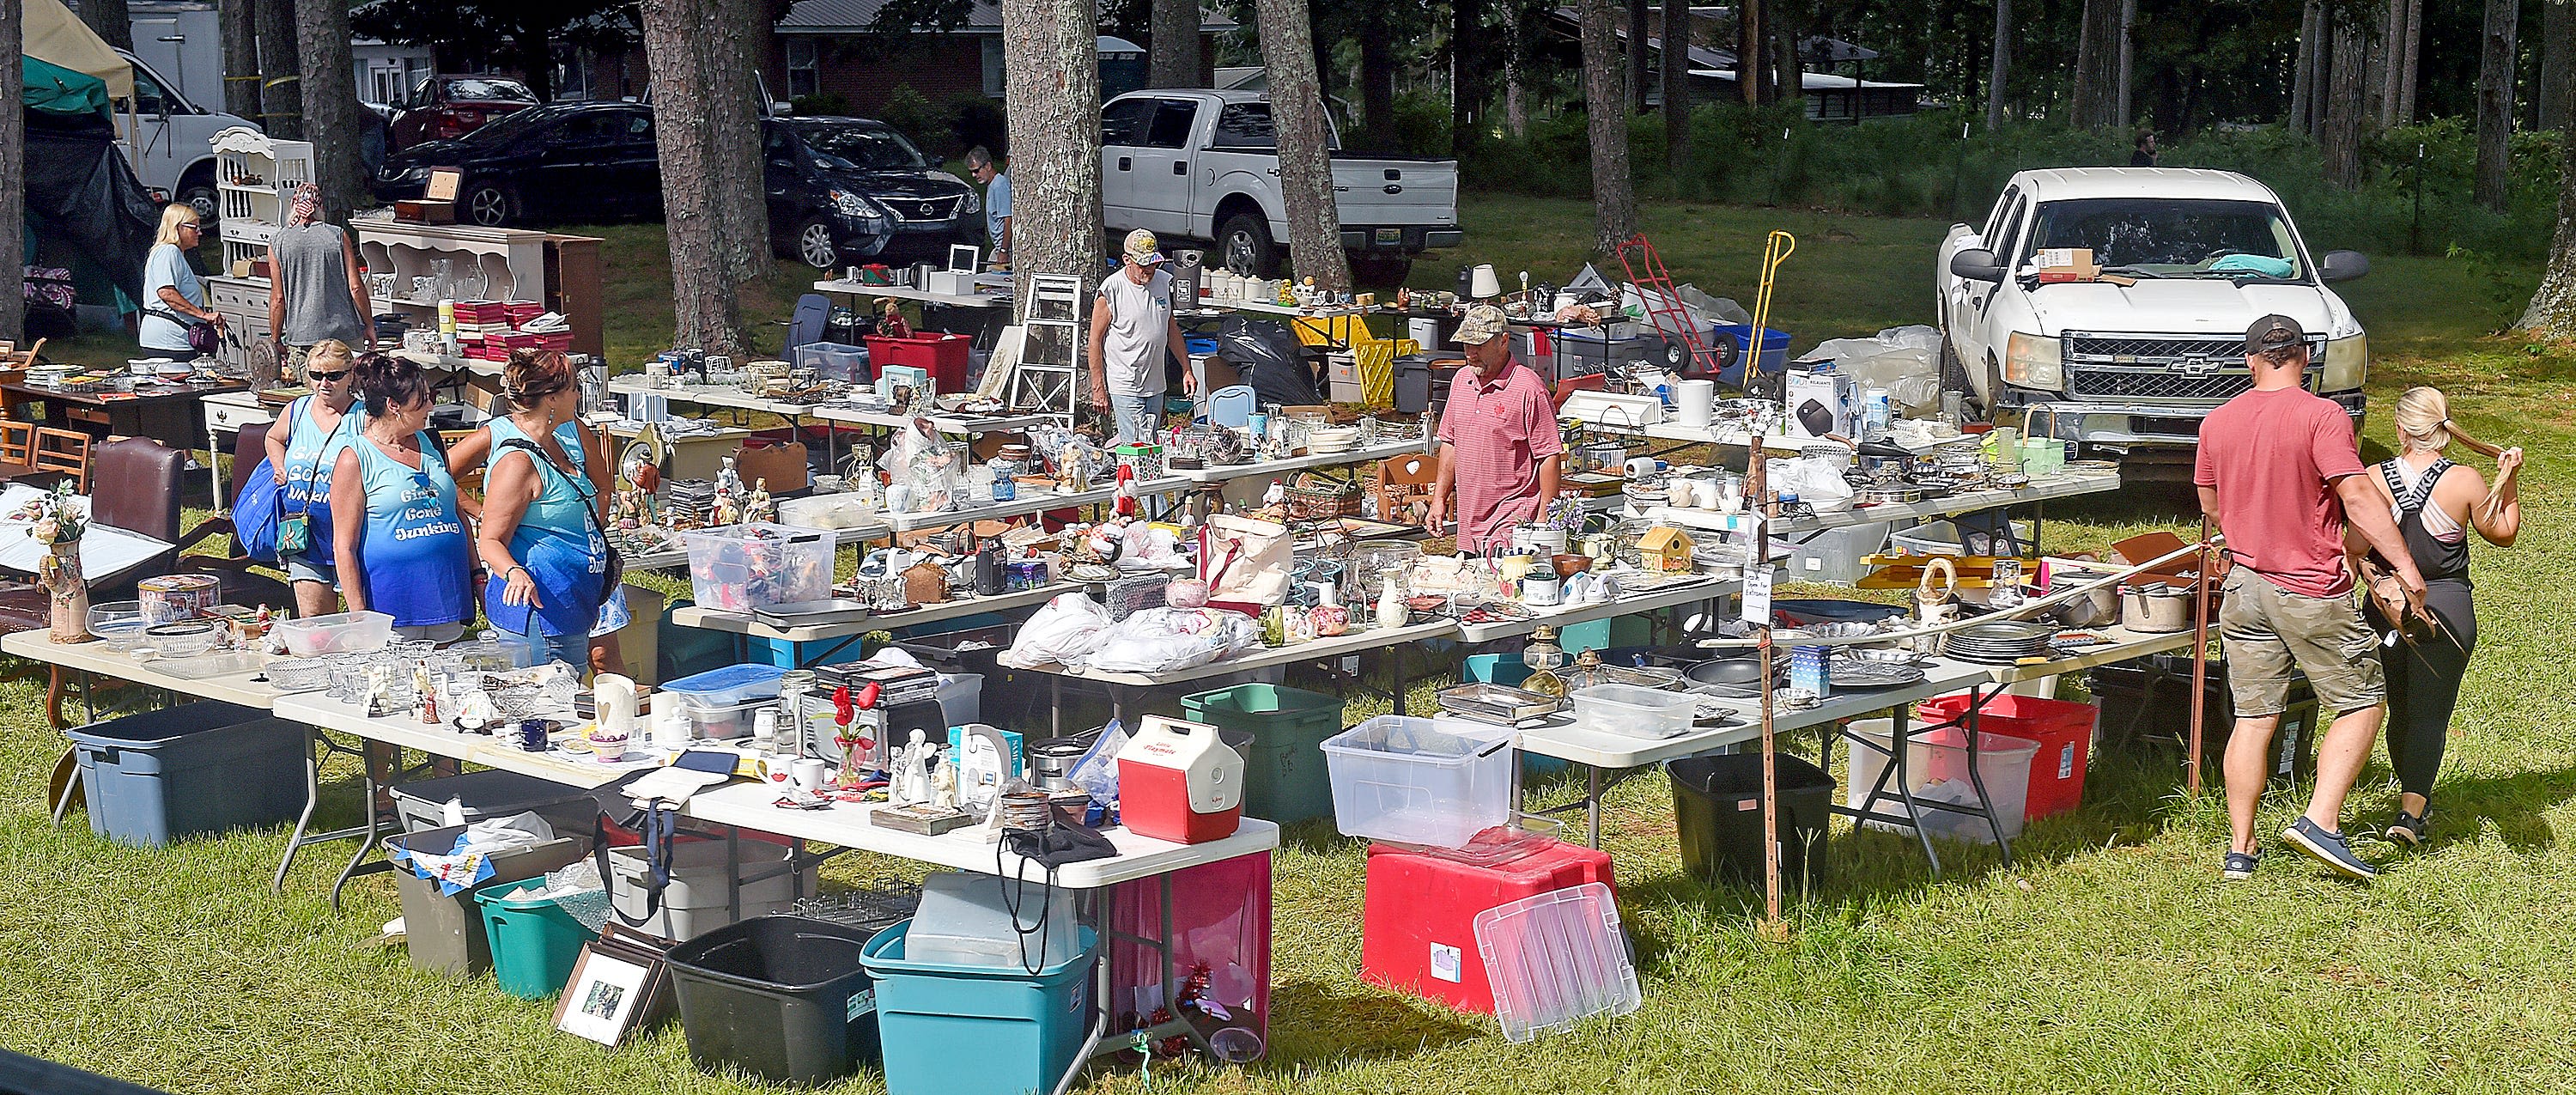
<point>1418,931</point>
<point>2063,730</point>
<point>943,356</point>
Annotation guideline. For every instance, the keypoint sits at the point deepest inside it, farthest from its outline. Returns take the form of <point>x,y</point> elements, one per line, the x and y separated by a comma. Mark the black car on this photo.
<point>838,189</point>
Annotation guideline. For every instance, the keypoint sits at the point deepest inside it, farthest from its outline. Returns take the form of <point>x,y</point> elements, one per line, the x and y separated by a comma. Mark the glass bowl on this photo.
<point>117,623</point>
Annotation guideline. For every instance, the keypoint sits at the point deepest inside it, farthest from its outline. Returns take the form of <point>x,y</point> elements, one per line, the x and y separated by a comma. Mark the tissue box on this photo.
<point>1822,402</point>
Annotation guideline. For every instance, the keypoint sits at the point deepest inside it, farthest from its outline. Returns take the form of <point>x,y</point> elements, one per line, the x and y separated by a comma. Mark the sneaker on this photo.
<point>2329,847</point>
<point>2411,829</point>
<point>2239,866</point>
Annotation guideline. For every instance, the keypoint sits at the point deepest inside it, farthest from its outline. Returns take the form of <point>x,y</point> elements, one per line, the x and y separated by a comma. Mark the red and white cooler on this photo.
<point>1177,782</point>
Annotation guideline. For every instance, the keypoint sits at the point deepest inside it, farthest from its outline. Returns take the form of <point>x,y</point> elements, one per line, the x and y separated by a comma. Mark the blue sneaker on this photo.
<point>2330,848</point>
<point>2239,866</point>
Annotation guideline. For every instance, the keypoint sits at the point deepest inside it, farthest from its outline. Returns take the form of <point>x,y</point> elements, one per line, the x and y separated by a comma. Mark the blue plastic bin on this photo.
<point>1025,1028</point>
<point>196,768</point>
<point>1775,350</point>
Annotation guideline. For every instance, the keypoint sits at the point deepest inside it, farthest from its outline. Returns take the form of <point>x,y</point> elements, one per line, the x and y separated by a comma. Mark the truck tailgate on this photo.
<point>1410,193</point>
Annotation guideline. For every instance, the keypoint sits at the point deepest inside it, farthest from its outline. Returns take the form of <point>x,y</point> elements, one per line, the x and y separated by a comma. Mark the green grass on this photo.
<point>2107,959</point>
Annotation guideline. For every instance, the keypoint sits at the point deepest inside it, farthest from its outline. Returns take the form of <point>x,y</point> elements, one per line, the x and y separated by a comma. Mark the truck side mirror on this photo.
<point>2343,266</point>
<point>1977,264</point>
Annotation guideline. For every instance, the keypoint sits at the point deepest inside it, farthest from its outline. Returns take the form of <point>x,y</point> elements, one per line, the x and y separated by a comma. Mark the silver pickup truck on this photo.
<point>1201,165</point>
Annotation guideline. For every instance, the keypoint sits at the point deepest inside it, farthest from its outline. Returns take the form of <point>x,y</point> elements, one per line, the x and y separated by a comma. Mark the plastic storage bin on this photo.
<point>1937,762</point>
<point>1717,804</point>
<point>942,355</point>
<point>834,360</point>
<point>1418,919</point>
<point>445,931</point>
<point>1284,779</point>
<point>783,997</point>
<point>422,804</point>
<point>196,768</point>
<point>967,920</point>
<point>338,633</point>
<point>1633,711</point>
<point>1420,781</point>
<point>2063,730</point>
<point>728,686</point>
<point>699,896</point>
<point>1556,959</point>
<point>737,568</point>
<point>1024,1028</point>
<point>1834,555</point>
<point>534,940</point>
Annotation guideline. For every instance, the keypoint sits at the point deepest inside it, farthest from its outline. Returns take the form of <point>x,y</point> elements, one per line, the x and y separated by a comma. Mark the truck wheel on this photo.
<point>1380,271</point>
<point>1245,241</point>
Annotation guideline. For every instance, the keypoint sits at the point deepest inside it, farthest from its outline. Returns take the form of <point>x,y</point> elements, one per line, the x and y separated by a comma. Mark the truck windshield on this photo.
<point>2166,237</point>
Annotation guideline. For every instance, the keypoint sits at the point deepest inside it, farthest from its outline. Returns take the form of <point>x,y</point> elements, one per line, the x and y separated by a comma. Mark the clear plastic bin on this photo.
<point>338,633</point>
<point>1631,711</point>
<point>1937,763</point>
<point>1420,781</point>
<point>968,920</point>
<point>1556,959</point>
<point>738,568</point>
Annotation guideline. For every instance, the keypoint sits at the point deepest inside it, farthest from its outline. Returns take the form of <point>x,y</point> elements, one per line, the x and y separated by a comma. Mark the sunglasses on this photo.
<point>324,377</point>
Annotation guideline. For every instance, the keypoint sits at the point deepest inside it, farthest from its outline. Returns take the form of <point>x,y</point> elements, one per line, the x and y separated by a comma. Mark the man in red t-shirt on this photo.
<point>1500,451</point>
<point>2279,472</point>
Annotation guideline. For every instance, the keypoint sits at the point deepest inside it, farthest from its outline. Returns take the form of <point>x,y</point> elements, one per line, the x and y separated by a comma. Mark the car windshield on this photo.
<point>861,148</point>
<point>506,91</point>
<point>2167,237</point>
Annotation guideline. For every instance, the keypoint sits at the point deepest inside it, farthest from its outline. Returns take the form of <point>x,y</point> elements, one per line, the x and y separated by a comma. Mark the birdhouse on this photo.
<point>1665,549</point>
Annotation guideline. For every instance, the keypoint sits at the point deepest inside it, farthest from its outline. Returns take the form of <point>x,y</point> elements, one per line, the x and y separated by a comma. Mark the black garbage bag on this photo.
<point>1270,359</point>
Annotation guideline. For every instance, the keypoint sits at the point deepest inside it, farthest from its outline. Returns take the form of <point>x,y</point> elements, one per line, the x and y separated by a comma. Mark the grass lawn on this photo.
<point>2109,958</point>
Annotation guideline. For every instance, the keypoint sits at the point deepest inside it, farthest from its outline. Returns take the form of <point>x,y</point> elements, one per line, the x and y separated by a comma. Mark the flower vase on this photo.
<point>61,577</point>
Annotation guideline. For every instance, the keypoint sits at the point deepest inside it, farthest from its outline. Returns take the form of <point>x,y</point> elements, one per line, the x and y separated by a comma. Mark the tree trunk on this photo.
<point>1467,87</point>
<point>2553,305</point>
<point>2340,135</point>
<point>111,19</point>
<point>13,188</point>
<point>2495,104</point>
<point>2303,72</point>
<point>1639,23</point>
<point>736,102</point>
<point>1377,90</point>
<point>2000,65</point>
<point>1749,67</point>
<point>239,22</point>
<point>703,311</point>
<point>1305,165</point>
<point>2412,65</point>
<point>1172,44</point>
<point>2097,66</point>
<point>1051,91</point>
<point>330,105</point>
<point>1676,74</point>
<point>2557,64</point>
<point>281,95</point>
<point>1614,197</point>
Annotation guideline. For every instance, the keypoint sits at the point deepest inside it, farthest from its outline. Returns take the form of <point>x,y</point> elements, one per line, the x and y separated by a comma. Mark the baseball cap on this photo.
<point>2273,332</point>
<point>1143,249</point>
<point>1483,322</point>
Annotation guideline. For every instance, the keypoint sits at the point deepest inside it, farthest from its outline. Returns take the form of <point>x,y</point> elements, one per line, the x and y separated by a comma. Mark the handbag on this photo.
<point>1244,560</point>
<point>201,334</point>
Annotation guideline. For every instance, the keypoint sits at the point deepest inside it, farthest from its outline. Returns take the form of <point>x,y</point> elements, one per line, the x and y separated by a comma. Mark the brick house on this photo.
<point>814,51</point>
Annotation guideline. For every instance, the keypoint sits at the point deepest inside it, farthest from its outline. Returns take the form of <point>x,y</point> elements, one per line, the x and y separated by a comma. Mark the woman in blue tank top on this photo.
<point>540,536</point>
<point>401,544</point>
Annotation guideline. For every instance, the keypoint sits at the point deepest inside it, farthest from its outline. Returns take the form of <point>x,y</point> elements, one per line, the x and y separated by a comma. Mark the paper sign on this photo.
<point>1757,596</point>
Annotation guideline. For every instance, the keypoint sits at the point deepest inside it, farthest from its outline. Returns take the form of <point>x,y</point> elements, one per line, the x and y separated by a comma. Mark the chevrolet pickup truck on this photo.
<point>2130,370</point>
<point>1201,165</point>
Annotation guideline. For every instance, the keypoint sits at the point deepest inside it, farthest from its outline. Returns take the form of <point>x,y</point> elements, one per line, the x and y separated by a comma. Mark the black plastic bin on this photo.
<point>2132,716</point>
<point>781,996</point>
<point>1717,802</point>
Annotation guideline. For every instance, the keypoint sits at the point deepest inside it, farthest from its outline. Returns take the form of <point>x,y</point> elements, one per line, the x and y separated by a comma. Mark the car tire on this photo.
<point>1381,271</point>
<point>814,245</point>
<point>1244,240</point>
<point>490,205</point>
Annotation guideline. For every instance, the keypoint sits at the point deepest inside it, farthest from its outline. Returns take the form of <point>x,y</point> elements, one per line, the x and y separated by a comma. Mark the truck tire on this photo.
<point>1244,240</point>
<point>1380,271</point>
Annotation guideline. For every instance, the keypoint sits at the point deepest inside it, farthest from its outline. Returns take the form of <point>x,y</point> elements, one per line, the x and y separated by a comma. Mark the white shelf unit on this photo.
<point>255,181</point>
<point>483,263</point>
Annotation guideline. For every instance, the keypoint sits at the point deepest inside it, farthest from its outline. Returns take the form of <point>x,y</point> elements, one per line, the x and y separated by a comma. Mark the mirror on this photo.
<point>2343,266</point>
<point>1976,264</point>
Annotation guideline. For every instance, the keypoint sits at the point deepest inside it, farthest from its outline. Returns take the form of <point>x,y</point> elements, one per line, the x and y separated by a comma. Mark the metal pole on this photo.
<point>2199,659</point>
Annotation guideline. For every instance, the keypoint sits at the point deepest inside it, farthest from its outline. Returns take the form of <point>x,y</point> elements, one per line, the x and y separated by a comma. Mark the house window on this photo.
<point>993,65</point>
<point>804,67</point>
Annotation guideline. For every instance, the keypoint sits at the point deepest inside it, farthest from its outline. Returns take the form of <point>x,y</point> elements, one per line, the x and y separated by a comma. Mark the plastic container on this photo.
<point>834,360</point>
<point>966,920</point>
<point>1285,778</point>
<point>1556,959</point>
<point>534,940</point>
<point>1834,555</point>
<point>422,804</point>
<point>1418,920</point>
<point>338,633</point>
<point>728,686</point>
<point>943,356</point>
<point>1633,711</point>
<point>1437,782</point>
<point>445,931</point>
<point>737,568</point>
<point>1019,1031</point>
<point>197,768</point>
<point>699,896</point>
<point>2063,730</point>
<point>783,997</point>
<point>1717,804</point>
<point>1937,763</point>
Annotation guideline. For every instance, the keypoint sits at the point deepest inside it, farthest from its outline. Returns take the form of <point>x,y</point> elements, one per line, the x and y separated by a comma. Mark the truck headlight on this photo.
<point>2347,363</point>
<point>2031,361</point>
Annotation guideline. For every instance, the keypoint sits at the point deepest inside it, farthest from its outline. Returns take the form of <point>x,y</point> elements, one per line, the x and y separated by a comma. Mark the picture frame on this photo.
<point>619,986</point>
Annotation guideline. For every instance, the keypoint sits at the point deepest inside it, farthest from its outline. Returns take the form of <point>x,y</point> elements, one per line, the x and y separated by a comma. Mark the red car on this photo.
<point>446,107</point>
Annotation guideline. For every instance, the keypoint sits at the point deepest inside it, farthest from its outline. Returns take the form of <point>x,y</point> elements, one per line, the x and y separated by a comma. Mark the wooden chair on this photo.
<point>63,452</point>
<point>17,448</point>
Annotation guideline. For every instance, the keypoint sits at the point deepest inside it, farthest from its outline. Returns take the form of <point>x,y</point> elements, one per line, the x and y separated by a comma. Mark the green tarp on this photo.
<point>57,90</point>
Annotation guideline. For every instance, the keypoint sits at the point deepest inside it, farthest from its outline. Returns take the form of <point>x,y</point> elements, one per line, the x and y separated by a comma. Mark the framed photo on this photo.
<point>614,991</point>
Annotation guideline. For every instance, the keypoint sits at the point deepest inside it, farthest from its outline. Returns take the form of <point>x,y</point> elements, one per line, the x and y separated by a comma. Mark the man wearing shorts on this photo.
<point>2279,472</point>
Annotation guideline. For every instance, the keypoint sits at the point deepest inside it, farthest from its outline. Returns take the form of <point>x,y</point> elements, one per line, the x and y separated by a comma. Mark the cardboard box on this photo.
<point>1822,403</point>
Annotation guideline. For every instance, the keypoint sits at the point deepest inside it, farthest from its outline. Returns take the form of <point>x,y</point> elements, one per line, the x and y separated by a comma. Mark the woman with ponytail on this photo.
<point>2436,503</point>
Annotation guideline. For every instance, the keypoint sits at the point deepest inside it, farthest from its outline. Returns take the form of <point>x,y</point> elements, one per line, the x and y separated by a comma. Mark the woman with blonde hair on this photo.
<point>173,298</point>
<point>2436,503</point>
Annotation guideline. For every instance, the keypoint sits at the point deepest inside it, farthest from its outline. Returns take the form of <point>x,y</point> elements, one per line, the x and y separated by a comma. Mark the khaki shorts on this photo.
<point>2266,632</point>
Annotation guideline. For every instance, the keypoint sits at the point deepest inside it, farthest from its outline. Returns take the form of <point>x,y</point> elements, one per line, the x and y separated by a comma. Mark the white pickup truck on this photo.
<point>1201,165</point>
<point>2131,370</point>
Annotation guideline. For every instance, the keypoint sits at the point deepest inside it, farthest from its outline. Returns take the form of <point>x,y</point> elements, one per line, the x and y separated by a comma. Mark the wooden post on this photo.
<point>2199,658</point>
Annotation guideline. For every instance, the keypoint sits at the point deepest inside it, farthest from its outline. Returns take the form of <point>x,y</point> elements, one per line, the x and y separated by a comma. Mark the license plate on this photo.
<point>1390,235</point>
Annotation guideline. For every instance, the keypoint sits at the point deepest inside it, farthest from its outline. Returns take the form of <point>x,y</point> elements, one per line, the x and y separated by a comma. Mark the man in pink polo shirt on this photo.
<point>1499,450</point>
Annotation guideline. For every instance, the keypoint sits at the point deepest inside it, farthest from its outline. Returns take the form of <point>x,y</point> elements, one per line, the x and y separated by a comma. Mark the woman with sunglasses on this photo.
<point>541,535</point>
<point>303,446</point>
<point>400,542</point>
